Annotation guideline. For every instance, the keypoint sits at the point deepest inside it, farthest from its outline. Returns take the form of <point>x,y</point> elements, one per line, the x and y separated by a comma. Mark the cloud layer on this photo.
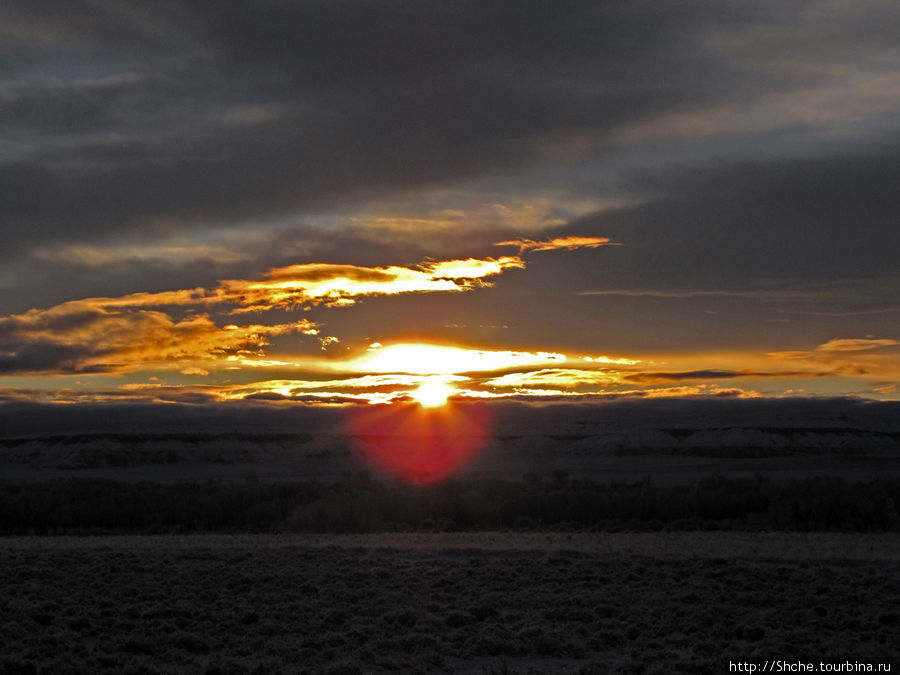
<point>121,334</point>
<point>195,188</point>
<point>81,337</point>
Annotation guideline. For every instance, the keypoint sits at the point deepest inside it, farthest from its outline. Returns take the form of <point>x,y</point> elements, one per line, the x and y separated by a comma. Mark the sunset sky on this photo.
<point>340,202</point>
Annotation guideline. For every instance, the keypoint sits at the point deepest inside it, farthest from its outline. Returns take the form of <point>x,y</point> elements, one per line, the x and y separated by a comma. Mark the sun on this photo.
<point>433,393</point>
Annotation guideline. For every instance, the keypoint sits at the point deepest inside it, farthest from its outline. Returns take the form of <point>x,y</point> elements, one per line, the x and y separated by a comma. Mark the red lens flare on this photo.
<point>416,443</point>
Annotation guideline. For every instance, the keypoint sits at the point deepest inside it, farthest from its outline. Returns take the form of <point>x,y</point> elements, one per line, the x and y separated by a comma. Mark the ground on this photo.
<point>448,602</point>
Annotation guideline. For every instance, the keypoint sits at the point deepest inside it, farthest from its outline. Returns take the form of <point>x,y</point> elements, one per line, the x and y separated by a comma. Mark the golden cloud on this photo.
<point>472,268</point>
<point>193,296</point>
<point>82,337</point>
<point>841,357</point>
<point>854,344</point>
<point>654,377</point>
<point>326,284</point>
<point>426,359</point>
<point>106,334</point>
<point>370,388</point>
<point>387,389</point>
<point>698,390</point>
<point>567,243</point>
<point>555,377</point>
<point>417,360</point>
<point>341,285</point>
<point>790,355</point>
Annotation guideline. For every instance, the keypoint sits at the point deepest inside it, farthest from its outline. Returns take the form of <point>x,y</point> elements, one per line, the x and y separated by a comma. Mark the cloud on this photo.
<point>686,294</point>
<point>837,298</point>
<point>109,334</point>
<point>380,388</point>
<point>136,128</point>
<point>294,106</point>
<point>524,215</point>
<point>855,344</point>
<point>171,139</point>
<point>608,379</point>
<point>555,377</point>
<point>428,359</point>
<point>365,391</point>
<point>566,243</point>
<point>747,146</point>
<point>79,337</point>
<point>166,254</point>
<point>701,390</point>
<point>792,354</point>
<point>326,284</point>
<point>648,377</point>
<point>341,285</point>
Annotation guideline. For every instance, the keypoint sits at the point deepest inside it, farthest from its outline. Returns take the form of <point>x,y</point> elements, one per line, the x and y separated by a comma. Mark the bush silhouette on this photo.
<point>360,503</point>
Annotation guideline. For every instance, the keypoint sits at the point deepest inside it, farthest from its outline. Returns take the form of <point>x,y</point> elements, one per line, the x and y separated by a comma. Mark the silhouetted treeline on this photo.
<point>362,504</point>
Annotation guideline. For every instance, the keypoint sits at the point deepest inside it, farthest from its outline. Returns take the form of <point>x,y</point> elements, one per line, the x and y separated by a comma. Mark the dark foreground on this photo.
<point>473,603</point>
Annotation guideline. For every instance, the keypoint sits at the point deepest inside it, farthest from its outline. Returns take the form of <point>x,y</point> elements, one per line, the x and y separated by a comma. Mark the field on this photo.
<point>579,541</point>
<point>447,602</point>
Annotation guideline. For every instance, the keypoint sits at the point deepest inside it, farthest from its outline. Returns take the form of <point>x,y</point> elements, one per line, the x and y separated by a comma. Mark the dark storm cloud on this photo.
<point>758,141</point>
<point>128,115</point>
<point>720,247</point>
<point>651,377</point>
<point>820,219</point>
<point>711,263</point>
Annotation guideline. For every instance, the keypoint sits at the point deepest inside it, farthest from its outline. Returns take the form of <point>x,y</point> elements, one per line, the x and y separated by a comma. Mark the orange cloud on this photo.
<point>322,284</point>
<point>556,377</point>
<point>794,354</point>
<point>82,337</point>
<point>567,243</point>
<point>117,334</point>
<point>366,388</point>
<point>326,284</point>
<point>653,377</point>
<point>472,268</point>
<point>854,344</point>
<point>192,296</point>
<point>698,390</point>
<point>425,359</point>
<point>841,357</point>
<point>341,285</point>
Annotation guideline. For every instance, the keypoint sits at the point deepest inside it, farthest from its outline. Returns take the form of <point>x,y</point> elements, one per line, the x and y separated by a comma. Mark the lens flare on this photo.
<point>416,443</point>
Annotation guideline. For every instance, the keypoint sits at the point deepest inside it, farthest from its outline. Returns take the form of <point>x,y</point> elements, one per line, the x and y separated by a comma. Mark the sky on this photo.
<point>336,203</point>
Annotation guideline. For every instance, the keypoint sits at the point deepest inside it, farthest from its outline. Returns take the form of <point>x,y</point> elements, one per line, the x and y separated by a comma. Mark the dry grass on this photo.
<point>463,602</point>
<point>716,544</point>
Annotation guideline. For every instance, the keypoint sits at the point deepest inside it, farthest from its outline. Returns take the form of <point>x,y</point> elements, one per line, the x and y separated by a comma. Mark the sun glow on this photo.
<point>424,440</point>
<point>433,393</point>
<point>425,359</point>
